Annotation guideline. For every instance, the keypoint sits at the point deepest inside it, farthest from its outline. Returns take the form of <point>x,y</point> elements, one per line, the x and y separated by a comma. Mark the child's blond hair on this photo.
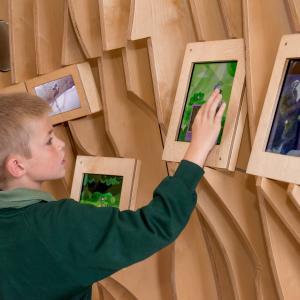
<point>15,110</point>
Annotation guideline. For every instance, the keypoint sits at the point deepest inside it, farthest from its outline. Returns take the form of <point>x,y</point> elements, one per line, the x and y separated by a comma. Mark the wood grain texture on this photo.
<point>240,201</point>
<point>86,22</point>
<point>90,136</point>
<point>48,24</point>
<point>208,20</point>
<point>232,14</point>
<point>261,48</point>
<point>72,52</point>
<point>192,256</point>
<point>242,241</point>
<point>284,250</point>
<point>294,194</point>
<point>138,75</point>
<point>126,125</point>
<point>169,26</point>
<point>22,40</point>
<point>294,13</point>
<point>114,18</point>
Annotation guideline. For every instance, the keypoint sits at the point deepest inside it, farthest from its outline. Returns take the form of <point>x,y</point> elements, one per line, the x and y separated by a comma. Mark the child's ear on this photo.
<point>14,166</point>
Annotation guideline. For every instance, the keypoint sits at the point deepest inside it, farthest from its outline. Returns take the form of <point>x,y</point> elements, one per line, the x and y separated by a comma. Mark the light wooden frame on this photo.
<point>205,52</point>
<point>85,86</point>
<point>126,167</point>
<point>267,164</point>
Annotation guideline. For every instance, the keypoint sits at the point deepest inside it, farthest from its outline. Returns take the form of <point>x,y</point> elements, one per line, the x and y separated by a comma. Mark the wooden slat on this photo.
<point>261,48</point>
<point>71,49</point>
<point>236,247</point>
<point>48,20</point>
<point>208,28</point>
<point>277,198</point>
<point>138,75</point>
<point>90,137</point>
<point>239,200</point>
<point>86,22</point>
<point>232,14</point>
<point>117,290</point>
<point>193,270</point>
<point>169,24</point>
<point>294,194</point>
<point>286,254</point>
<point>127,124</point>
<point>114,18</point>
<point>22,40</point>
<point>294,10</point>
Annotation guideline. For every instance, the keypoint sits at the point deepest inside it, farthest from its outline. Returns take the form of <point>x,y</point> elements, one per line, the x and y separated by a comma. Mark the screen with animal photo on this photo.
<point>204,79</point>
<point>284,136</point>
<point>61,94</point>
<point>101,190</point>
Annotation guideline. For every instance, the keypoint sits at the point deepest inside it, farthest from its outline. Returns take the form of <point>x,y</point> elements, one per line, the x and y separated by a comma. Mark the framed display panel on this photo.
<point>71,92</point>
<point>276,149</point>
<point>106,181</point>
<point>208,65</point>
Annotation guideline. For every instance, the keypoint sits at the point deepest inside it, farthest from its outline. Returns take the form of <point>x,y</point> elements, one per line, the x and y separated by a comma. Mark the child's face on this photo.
<point>47,151</point>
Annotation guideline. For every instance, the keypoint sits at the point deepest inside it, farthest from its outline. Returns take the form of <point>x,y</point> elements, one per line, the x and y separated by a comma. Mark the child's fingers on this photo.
<point>211,99</point>
<point>220,112</point>
<point>214,106</point>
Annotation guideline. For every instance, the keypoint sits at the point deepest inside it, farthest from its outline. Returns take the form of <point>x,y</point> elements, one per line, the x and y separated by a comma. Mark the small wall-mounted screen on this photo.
<point>61,94</point>
<point>101,190</point>
<point>284,137</point>
<point>204,79</point>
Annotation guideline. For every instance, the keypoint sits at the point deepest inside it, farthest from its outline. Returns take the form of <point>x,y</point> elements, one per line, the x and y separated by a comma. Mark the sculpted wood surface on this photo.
<point>240,244</point>
<point>208,20</point>
<point>126,125</point>
<point>238,249</point>
<point>72,52</point>
<point>114,18</point>
<point>86,22</point>
<point>169,26</point>
<point>48,24</point>
<point>261,45</point>
<point>22,40</point>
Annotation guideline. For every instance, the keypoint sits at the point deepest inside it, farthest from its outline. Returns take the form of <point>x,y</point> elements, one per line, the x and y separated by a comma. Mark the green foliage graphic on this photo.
<point>101,190</point>
<point>205,78</point>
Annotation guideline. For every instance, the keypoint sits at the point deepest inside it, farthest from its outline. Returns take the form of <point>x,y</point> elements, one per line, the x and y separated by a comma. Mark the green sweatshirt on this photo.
<point>58,249</point>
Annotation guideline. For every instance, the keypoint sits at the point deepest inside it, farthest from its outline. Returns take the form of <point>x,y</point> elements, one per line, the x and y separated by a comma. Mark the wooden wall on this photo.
<point>242,241</point>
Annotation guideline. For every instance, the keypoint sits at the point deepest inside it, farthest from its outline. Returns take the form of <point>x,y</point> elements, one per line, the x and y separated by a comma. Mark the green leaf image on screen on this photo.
<point>101,190</point>
<point>205,78</point>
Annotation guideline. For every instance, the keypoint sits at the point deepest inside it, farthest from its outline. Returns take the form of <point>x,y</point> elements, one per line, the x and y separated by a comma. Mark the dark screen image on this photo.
<point>284,137</point>
<point>101,190</point>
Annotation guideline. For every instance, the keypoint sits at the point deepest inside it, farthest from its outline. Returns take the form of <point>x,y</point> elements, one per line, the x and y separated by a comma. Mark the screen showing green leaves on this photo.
<point>101,190</point>
<point>204,79</point>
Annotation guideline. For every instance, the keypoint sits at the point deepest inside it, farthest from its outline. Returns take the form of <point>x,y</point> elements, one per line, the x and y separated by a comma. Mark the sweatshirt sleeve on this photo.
<point>92,243</point>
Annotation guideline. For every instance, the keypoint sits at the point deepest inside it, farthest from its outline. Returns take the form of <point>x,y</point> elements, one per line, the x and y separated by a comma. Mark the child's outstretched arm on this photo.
<point>86,244</point>
<point>206,128</point>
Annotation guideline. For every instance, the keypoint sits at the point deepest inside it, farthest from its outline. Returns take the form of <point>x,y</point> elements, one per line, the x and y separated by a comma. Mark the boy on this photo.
<point>57,249</point>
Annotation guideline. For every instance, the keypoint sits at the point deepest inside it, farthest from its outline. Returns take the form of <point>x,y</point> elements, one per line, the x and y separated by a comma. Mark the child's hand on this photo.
<point>205,129</point>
